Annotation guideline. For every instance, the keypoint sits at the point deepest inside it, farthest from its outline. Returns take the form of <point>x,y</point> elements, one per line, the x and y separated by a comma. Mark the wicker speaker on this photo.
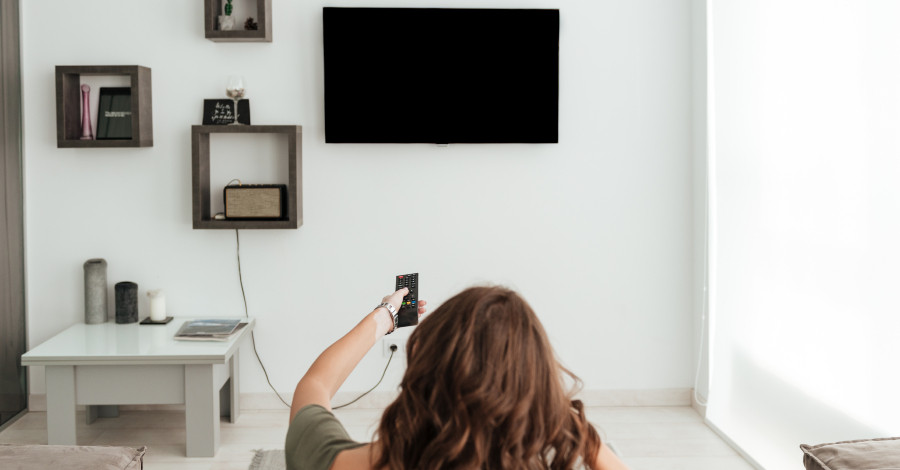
<point>255,201</point>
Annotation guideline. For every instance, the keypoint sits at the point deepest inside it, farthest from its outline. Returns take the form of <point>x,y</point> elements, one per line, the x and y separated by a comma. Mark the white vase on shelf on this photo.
<point>226,22</point>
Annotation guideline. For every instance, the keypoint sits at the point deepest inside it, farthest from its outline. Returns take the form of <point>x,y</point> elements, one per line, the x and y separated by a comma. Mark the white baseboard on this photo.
<point>37,402</point>
<point>647,397</point>
<point>381,399</point>
<point>734,446</point>
<point>697,406</point>
<point>267,401</point>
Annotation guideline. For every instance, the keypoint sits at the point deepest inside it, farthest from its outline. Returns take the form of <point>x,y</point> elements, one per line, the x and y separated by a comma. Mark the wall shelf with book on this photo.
<point>124,114</point>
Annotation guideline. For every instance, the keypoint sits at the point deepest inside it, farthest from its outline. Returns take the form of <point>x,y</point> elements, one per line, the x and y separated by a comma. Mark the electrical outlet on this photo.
<point>393,340</point>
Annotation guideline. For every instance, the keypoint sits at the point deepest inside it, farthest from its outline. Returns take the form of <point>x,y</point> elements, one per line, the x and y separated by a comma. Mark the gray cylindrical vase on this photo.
<point>126,302</point>
<point>96,291</point>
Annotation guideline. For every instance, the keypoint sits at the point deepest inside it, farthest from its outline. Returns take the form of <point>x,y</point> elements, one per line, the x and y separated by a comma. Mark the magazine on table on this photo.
<point>211,329</point>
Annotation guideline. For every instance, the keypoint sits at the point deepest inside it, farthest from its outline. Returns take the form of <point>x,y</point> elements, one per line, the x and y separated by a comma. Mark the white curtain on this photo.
<point>805,223</point>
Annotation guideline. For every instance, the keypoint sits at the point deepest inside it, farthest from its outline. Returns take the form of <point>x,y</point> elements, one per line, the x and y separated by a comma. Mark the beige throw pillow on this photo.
<point>864,454</point>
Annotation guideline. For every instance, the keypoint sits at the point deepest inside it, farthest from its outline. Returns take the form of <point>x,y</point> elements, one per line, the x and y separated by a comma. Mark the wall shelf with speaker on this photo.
<point>131,107</point>
<point>292,200</point>
<point>213,9</point>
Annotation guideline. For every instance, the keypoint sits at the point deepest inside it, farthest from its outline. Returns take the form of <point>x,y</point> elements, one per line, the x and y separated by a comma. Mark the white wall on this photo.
<point>595,231</point>
<point>806,113</point>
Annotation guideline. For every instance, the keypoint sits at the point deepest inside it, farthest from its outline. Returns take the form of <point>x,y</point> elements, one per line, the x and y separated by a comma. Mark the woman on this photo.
<point>482,390</point>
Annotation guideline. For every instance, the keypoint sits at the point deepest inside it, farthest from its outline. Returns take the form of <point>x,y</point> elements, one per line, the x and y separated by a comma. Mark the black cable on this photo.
<point>247,314</point>
<point>393,350</point>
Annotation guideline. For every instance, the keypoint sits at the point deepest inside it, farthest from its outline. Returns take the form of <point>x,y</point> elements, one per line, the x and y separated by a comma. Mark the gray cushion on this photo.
<point>865,454</point>
<point>34,457</point>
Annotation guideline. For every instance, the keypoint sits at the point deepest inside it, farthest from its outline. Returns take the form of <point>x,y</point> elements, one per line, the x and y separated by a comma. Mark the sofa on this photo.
<point>41,457</point>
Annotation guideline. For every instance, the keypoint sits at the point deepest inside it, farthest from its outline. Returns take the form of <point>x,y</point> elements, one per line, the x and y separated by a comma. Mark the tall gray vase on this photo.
<point>96,291</point>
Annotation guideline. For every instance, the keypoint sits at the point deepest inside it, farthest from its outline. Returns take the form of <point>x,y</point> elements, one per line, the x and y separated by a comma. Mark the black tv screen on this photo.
<point>435,75</point>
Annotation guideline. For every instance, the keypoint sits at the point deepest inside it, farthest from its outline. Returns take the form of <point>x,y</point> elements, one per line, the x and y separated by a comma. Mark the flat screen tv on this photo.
<point>438,75</point>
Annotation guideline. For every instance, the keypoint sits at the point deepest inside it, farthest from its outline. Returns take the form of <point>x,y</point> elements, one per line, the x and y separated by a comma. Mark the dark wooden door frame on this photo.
<point>13,386</point>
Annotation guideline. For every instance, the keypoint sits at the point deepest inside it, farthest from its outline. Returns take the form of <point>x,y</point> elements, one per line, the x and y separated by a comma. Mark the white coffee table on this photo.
<point>132,364</point>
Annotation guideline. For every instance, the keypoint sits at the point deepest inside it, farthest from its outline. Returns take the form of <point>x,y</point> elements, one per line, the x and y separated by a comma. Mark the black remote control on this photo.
<point>409,308</point>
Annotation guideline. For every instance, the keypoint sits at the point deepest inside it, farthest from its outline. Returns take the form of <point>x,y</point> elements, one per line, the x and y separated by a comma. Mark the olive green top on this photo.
<point>314,439</point>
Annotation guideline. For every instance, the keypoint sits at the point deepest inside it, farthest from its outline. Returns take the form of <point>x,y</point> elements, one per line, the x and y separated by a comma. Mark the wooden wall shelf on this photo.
<point>213,8</point>
<point>68,105</point>
<point>200,192</point>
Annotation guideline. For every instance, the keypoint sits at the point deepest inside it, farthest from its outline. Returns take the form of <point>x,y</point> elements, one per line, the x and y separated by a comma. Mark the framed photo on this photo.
<point>221,112</point>
<point>114,114</point>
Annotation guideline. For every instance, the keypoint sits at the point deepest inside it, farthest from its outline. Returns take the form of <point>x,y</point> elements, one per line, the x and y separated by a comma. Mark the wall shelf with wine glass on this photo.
<point>69,99</point>
<point>214,32</point>
<point>203,218</point>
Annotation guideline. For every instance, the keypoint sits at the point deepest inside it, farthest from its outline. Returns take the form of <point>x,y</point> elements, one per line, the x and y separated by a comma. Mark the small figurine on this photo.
<point>87,132</point>
<point>251,25</point>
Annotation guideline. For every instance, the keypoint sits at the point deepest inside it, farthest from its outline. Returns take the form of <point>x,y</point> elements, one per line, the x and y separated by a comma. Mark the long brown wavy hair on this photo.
<point>483,390</point>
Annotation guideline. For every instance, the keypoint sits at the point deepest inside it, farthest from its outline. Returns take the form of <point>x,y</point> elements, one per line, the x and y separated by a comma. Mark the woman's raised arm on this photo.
<point>334,365</point>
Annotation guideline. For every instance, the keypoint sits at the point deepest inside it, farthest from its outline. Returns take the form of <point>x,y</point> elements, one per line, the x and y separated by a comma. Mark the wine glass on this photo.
<point>234,88</point>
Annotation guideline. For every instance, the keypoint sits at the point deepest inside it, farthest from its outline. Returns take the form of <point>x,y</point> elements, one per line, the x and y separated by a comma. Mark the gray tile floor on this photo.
<point>647,438</point>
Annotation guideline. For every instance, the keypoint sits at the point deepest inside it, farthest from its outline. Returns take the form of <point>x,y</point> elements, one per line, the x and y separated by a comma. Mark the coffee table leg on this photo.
<point>60,405</point>
<point>201,410</point>
<point>235,387</point>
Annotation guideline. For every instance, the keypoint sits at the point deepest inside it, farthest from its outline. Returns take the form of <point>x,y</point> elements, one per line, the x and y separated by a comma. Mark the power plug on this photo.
<point>397,344</point>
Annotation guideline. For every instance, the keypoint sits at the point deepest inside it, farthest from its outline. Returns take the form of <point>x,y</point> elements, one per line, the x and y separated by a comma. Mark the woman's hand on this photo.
<point>396,299</point>
<point>385,324</point>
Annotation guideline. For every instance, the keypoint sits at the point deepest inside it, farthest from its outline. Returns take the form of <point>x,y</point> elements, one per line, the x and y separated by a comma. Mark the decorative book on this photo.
<point>114,114</point>
<point>208,329</point>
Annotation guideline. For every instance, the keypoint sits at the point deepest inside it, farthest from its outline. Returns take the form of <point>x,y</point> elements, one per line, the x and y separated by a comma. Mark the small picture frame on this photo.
<point>221,112</point>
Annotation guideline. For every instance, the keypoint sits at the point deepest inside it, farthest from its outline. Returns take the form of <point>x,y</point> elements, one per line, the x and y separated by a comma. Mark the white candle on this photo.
<point>157,305</point>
